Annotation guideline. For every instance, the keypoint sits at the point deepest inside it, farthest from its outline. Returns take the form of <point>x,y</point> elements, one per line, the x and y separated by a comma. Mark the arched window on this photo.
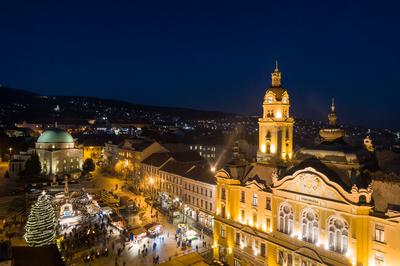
<point>338,235</point>
<point>309,225</point>
<point>286,219</point>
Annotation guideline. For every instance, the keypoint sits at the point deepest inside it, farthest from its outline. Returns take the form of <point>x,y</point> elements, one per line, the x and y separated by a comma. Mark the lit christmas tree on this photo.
<point>40,227</point>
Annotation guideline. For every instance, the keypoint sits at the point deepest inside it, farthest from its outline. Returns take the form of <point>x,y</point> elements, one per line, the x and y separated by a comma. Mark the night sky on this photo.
<point>215,55</point>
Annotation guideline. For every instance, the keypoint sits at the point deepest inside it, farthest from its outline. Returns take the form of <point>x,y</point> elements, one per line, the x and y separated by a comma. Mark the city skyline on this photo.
<point>194,133</point>
<point>191,55</point>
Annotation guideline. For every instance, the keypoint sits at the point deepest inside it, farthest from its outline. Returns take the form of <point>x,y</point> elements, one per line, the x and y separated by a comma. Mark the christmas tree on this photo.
<point>40,227</point>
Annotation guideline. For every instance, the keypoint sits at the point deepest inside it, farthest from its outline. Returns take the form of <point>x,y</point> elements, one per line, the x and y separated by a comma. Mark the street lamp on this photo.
<point>10,149</point>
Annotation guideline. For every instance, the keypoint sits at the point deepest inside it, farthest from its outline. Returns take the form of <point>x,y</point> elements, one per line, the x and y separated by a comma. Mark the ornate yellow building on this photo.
<point>318,210</point>
<point>276,125</point>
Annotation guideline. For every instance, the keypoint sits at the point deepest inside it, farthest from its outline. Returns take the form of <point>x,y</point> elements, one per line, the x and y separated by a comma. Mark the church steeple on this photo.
<point>332,116</point>
<point>332,132</point>
<point>276,76</point>
<point>276,124</point>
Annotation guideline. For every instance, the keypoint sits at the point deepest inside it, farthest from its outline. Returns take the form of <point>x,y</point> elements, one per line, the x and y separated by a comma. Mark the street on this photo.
<point>166,246</point>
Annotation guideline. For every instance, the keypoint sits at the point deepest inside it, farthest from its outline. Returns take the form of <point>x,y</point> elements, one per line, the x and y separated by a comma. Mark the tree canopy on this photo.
<point>88,166</point>
<point>33,167</point>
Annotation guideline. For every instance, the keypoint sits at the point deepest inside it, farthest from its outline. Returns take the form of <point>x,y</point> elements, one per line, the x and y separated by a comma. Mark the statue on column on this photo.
<point>66,209</point>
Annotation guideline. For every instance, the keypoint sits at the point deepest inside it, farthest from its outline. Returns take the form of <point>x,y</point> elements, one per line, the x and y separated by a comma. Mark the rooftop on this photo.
<point>55,135</point>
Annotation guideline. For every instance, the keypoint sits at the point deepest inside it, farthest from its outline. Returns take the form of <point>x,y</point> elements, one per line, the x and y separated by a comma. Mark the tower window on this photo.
<point>269,99</point>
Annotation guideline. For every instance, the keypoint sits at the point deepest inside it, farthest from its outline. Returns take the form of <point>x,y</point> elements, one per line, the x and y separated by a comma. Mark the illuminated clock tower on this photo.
<point>276,125</point>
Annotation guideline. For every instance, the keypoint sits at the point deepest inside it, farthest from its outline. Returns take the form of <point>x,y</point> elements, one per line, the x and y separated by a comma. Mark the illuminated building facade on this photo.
<point>126,157</point>
<point>183,182</point>
<point>58,153</point>
<point>317,210</point>
<point>93,152</point>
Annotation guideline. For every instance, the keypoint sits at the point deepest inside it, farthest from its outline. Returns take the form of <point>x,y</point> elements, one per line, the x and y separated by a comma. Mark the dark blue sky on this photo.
<point>214,55</point>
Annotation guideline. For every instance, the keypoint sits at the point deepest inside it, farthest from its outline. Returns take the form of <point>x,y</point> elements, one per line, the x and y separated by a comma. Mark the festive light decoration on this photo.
<point>40,227</point>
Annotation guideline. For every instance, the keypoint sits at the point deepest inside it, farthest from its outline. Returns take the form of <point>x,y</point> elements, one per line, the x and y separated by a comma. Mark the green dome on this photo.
<point>55,135</point>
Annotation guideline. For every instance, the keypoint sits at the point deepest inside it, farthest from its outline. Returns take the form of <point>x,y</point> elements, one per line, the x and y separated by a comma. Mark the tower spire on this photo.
<point>276,76</point>
<point>332,116</point>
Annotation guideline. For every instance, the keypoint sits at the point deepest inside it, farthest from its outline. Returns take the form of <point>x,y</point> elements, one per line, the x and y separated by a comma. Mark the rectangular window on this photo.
<point>281,257</point>
<point>379,233</point>
<point>243,215</point>
<point>290,260</point>
<point>379,259</point>
<point>242,196</point>
<point>255,200</point>
<point>222,232</point>
<point>210,206</point>
<point>262,250</point>
<point>237,240</point>
<point>268,203</point>
<point>256,245</point>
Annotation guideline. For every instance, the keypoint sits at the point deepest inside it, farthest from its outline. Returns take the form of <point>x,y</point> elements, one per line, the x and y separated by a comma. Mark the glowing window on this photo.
<point>286,219</point>
<point>338,235</point>
<point>310,226</point>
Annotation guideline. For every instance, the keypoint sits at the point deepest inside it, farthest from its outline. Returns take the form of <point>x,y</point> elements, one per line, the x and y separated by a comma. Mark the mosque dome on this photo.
<point>55,135</point>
